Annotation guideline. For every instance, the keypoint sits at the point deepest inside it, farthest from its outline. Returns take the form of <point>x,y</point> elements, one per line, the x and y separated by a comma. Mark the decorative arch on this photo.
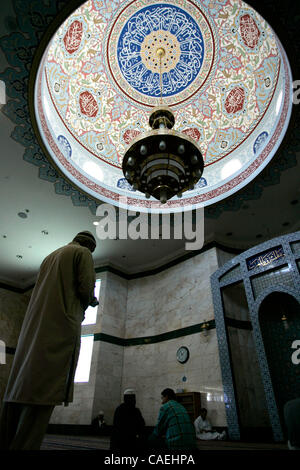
<point>274,413</point>
<point>235,270</point>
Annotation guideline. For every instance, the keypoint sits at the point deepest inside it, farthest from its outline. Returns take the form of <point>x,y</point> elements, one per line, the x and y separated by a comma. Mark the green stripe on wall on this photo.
<point>181,332</point>
<point>189,330</point>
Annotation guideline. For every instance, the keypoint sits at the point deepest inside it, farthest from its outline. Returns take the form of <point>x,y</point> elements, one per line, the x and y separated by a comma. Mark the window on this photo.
<point>82,373</point>
<point>91,312</point>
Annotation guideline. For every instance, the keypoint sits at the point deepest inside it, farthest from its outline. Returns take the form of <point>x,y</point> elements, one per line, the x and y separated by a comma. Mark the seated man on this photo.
<point>99,425</point>
<point>174,430</point>
<point>204,430</point>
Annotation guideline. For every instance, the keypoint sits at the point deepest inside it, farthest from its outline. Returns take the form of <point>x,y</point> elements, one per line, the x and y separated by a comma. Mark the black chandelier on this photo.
<point>162,162</point>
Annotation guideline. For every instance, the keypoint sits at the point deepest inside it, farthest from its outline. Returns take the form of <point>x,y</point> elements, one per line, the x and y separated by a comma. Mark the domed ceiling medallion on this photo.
<point>226,80</point>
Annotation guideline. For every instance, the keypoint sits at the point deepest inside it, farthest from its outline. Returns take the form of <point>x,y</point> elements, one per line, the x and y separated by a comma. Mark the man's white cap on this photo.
<point>129,391</point>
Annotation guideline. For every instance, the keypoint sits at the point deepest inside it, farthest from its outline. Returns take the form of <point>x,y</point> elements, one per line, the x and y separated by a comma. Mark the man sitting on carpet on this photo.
<point>204,430</point>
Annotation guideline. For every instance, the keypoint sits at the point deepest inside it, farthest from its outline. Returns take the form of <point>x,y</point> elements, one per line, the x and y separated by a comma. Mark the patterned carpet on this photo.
<point>62,442</point>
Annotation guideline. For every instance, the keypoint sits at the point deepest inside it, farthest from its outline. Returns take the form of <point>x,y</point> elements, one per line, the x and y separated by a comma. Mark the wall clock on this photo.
<point>182,354</point>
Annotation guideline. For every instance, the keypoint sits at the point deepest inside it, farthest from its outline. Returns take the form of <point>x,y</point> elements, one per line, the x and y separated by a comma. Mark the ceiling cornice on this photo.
<point>138,274</point>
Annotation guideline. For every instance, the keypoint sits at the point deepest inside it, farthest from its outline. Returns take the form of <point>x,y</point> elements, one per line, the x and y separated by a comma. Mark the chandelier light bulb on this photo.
<point>181,149</point>
<point>162,145</point>
<point>131,161</point>
<point>143,150</point>
<point>163,196</point>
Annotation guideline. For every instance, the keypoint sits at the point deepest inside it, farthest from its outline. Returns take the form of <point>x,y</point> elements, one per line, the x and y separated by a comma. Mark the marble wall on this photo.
<point>249,387</point>
<point>223,256</point>
<point>151,368</point>
<point>248,382</point>
<point>112,322</point>
<point>175,298</point>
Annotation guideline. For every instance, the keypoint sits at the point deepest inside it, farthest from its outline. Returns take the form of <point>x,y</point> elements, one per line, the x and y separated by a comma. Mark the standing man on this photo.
<point>45,361</point>
<point>174,430</point>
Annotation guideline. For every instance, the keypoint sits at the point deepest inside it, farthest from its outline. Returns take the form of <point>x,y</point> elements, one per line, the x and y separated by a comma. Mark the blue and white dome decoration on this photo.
<point>64,146</point>
<point>260,141</point>
<point>123,184</point>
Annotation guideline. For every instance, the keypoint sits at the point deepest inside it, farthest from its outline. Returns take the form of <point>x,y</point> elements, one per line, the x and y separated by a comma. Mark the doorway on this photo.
<point>279,318</point>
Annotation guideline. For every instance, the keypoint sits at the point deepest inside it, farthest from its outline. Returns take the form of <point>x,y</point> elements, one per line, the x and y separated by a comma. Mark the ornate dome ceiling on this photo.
<point>225,76</point>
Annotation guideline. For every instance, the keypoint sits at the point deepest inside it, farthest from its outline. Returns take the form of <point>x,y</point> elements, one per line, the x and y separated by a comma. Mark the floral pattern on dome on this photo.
<point>82,80</point>
<point>100,79</point>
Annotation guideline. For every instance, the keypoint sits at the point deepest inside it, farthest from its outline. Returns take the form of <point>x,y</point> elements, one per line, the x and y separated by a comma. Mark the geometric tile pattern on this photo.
<point>254,302</point>
<point>271,279</point>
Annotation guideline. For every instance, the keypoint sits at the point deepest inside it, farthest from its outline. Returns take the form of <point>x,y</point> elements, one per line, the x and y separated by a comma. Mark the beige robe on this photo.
<point>49,343</point>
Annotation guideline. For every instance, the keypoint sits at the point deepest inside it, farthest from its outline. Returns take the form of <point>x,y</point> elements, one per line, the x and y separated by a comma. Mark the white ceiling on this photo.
<point>21,189</point>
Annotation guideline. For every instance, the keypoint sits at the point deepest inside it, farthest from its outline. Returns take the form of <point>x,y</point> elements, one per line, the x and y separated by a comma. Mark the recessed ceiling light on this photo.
<point>23,215</point>
<point>44,232</point>
<point>95,223</point>
<point>4,236</point>
<point>19,256</point>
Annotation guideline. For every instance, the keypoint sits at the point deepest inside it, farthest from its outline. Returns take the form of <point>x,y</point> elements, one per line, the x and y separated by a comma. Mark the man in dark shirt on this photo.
<point>128,425</point>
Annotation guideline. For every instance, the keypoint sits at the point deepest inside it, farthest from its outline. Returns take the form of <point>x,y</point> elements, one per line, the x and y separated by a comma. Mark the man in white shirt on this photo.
<point>204,430</point>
